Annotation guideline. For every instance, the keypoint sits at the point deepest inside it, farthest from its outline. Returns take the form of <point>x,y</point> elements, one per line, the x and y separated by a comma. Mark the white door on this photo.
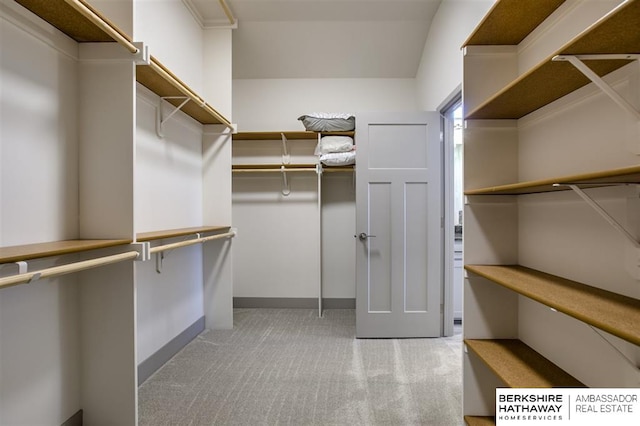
<point>398,225</point>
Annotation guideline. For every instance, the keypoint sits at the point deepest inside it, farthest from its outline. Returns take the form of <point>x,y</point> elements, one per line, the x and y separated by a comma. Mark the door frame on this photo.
<point>446,126</point>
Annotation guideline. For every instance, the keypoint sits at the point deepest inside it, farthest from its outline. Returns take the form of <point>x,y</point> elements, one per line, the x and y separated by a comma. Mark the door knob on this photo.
<point>363,236</point>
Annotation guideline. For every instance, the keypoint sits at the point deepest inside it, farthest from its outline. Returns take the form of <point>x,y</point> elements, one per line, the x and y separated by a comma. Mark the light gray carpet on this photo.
<point>289,367</point>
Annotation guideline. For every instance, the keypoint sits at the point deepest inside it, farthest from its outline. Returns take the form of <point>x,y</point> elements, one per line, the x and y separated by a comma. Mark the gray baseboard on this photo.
<point>150,365</point>
<point>75,420</point>
<point>335,303</point>
<point>292,303</point>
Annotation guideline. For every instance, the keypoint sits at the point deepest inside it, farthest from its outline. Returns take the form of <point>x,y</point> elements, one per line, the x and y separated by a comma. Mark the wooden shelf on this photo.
<point>519,366</point>
<point>608,311</point>
<point>351,133</point>
<point>172,233</point>
<point>71,22</point>
<point>510,21</point>
<point>257,168</point>
<point>273,136</point>
<point>616,33</point>
<point>338,169</point>
<point>586,180</point>
<point>272,166</point>
<point>54,248</point>
<point>290,134</point>
<point>480,420</point>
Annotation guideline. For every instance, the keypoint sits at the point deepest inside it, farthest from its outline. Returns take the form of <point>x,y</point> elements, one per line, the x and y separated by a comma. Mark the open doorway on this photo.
<point>452,125</point>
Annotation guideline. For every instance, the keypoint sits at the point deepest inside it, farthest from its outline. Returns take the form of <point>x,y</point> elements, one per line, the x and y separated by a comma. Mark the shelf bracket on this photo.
<point>23,266</point>
<point>159,261</point>
<point>286,157</point>
<point>577,61</point>
<point>618,351</point>
<point>160,119</point>
<point>602,212</point>
<point>286,187</point>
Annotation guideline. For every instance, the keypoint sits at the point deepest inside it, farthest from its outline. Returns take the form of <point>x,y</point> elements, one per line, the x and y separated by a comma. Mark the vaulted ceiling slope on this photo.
<point>325,38</point>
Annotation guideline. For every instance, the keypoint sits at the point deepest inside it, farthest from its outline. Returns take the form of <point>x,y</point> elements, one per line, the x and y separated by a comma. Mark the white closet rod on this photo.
<point>66,269</point>
<point>286,170</point>
<point>191,242</point>
<point>85,10</point>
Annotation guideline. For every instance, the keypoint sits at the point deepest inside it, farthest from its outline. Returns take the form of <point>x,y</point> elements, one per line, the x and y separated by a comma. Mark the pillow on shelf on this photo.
<point>328,122</point>
<point>334,144</point>
<point>338,158</point>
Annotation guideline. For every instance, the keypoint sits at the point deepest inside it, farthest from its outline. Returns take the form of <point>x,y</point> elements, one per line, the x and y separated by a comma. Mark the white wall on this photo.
<point>218,84</point>
<point>440,70</point>
<point>276,104</point>
<point>173,36</point>
<point>168,191</point>
<point>39,342</point>
<point>287,266</point>
<point>120,12</point>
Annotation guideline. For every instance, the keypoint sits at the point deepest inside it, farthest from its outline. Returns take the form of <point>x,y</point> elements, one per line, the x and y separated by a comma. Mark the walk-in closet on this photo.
<point>349,212</point>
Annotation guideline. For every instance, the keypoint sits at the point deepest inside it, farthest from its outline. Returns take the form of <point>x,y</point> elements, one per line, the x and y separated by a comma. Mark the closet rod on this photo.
<point>191,242</point>
<point>88,12</point>
<point>286,170</point>
<point>227,11</point>
<point>66,269</point>
<point>184,89</point>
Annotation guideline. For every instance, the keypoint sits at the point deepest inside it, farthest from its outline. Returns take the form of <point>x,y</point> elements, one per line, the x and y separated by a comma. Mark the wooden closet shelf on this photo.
<point>54,248</point>
<point>480,420</point>
<point>616,33</point>
<point>172,233</point>
<point>272,166</point>
<point>289,134</point>
<point>67,19</point>
<point>624,175</point>
<point>338,169</point>
<point>614,313</point>
<point>161,81</point>
<point>510,21</point>
<point>351,133</point>
<point>273,136</point>
<point>519,366</point>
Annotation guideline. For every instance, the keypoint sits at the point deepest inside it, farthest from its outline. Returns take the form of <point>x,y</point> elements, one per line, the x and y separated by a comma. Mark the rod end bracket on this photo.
<point>143,249</point>
<point>142,57</point>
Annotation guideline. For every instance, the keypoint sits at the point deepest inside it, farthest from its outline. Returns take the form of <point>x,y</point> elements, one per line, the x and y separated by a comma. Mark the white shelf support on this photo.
<point>577,61</point>
<point>21,265</point>
<point>286,187</point>
<point>160,119</point>
<point>159,261</point>
<point>602,212</point>
<point>286,157</point>
<point>624,357</point>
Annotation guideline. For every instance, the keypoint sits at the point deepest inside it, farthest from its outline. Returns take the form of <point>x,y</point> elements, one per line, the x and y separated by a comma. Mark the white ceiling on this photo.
<point>324,38</point>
